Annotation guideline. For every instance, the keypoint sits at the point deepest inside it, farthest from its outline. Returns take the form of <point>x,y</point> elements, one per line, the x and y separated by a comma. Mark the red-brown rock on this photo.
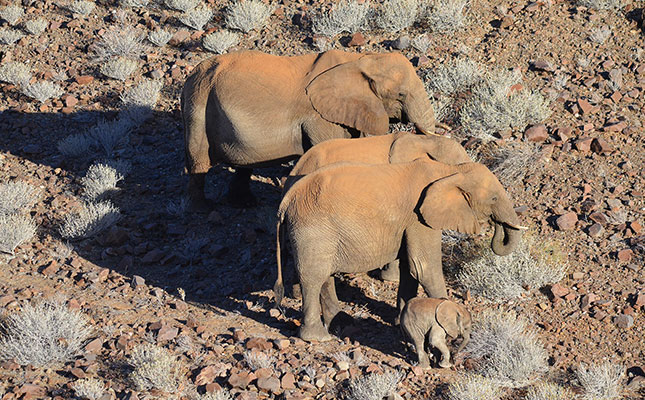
<point>258,343</point>
<point>536,133</point>
<point>206,375</point>
<point>241,379</point>
<point>601,146</point>
<point>558,290</point>
<point>84,79</point>
<point>357,40</point>
<point>567,222</point>
<point>625,255</point>
<point>269,384</point>
<point>583,144</point>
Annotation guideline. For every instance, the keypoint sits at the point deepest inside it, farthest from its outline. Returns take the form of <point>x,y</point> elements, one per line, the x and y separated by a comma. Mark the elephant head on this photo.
<point>364,94</point>
<point>455,320</point>
<point>459,201</point>
<point>408,147</point>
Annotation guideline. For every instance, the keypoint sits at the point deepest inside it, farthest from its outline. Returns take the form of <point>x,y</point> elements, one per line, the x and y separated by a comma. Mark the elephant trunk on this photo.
<point>507,229</point>
<point>419,111</point>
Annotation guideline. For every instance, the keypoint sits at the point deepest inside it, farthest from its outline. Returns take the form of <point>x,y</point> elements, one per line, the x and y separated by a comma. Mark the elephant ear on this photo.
<point>445,205</point>
<point>448,316</point>
<point>342,95</point>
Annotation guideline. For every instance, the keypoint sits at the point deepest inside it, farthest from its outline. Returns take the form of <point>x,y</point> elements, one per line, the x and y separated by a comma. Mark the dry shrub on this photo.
<point>601,381</point>
<point>16,73</point>
<point>10,36</point>
<point>248,15</point>
<point>548,391</point>
<point>99,180</point>
<point>374,386</point>
<point>42,90</point>
<point>505,350</point>
<point>474,387</point>
<point>124,41</point>
<point>396,15</point>
<point>12,14</point>
<point>91,219</point>
<point>119,68</point>
<point>45,334</point>
<point>346,16</point>
<point>16,197</point>
<point>256,360</point>
<point>154,368</point>
<point>89,388</point>
<point>219,42</point>
<point>15,230</point>
<point>36,26</point>
<point>159,37</point>
<point>446,15</point>
<point>197,18</point>
<point>80,7</point>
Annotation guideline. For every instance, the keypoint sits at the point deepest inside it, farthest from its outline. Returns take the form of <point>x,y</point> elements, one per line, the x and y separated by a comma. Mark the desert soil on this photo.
<point>160,276</point>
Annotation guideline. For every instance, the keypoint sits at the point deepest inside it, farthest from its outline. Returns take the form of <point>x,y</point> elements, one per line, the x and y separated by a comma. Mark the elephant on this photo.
<point>391,148</point>
<point>250,109</point>
<point>435,318</point>
<point>353,218</point>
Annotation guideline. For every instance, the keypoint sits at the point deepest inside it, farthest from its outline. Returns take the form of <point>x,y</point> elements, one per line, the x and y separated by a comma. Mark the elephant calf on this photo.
<point>435,318</point>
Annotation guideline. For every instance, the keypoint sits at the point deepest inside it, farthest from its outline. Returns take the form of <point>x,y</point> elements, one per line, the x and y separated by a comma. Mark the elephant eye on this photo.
<point>494,198</point>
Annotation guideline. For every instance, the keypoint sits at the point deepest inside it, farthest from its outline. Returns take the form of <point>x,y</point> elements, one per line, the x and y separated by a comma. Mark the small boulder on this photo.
<point>567,222</point>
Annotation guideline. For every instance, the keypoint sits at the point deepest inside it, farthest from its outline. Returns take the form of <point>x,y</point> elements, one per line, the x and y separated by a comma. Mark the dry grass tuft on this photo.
<point>12,14</point>
<point>91,219</point>
<point>455,76</point>
<point>16,73</point>
<point>76,146</point>
<point>346,16</point>
<point>15,230</point>
<point>505,350</point>
<point>602,4</point>
<point>248,15</point>
<point>89,388</point>
<point>159,37</point>
<point>601,381</point>
<point>99,180</point>
<point>36,26</point>
<point>182,5</point>
<point>197,18</point>
<point>45,334</point>
<point>474,387</point>
<point>446,15</point>
<point>548,391</point>
<point>133,3</point>
<point>119,68</point>
<point>374,386</point>
<point>120,42</point>
<point>256,360</point>
<point>219,42</point>
<point>396,15</point>
<point>154,368</point>
<point>532,264</point>
<point>16,197</point>
<point>80,7</point>
<point>10,36</point>
<point>42,90</point>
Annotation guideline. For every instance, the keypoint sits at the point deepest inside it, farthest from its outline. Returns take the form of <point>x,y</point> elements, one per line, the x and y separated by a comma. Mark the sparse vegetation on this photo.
<point>80,7</point>
<point>601,381</point>
<point>122,42</point>
<point>99,180</point>
<point>12,14</point>
<point>374,386</point>
<point>110,135</point>
<point>42,90</point>
<point>16,73</point>
<point>154,368</point>
<point>89,388</point>
<point>346,16</point>
<point>513,162</point>
<point>248,15</point>
<point>15,230</point>
<point>474,387</point>
<point>601,4</point>
<point>159,37</point>
<point>75,146</point>
<point>548,391</point>
<point>495,107</point>
<point>220,41</point>
<point>256,360</point>
<point>139,101</point>
<point>396,15</point>
<point>222,394</point>
<point>600,35</point>
<point>421,43</point>
<point>182,5</point>
<point>91,219</point>
<point>134,3</point>
<point>455,76</point>
<point>119,68</point>
<point>16,196</point>
<point>505,349</point>
<point>446,15</point>
<point>502,278</point>
<point>36,26</point>
<point>197,18</point>
<point>43,334</point>
<point>9,36</point>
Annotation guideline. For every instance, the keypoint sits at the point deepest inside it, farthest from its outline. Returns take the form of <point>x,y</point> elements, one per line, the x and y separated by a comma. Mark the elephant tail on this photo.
<point>278,288</point>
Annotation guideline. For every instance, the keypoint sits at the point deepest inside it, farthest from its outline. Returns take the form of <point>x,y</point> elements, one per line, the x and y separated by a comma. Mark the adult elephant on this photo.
<point>387,149</point>
<point>356,217</point>
<point>250,109</point>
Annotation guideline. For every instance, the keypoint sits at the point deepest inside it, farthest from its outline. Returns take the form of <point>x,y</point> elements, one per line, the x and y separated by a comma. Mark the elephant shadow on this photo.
<point>223,261</point>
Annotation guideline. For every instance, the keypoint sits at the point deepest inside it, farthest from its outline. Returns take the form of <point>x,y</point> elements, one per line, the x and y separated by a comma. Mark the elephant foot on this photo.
<point>241,198</point>
<point>390,273</point>
<point>424,364</point>
<point>340,322</point>
<point>200,205</point>
<point>315,334</point>
<point>445,364</point>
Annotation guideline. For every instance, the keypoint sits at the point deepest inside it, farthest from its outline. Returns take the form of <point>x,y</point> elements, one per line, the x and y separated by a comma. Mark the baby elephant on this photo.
<point>435,318</point>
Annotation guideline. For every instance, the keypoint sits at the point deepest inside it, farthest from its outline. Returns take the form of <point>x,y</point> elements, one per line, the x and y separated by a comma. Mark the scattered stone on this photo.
<point>282,344</point>
<point>585,106</point>
<point>258,343</point>
<point>543,65</point>
<point>357,40</point>
<point>586,300</point>
<point>342,365</point>
<point>138,281</point>
<point>599,217</point>
<point>596,230</point>
<point>288,381</point>
<point>241,379</point>
<point>94,346</point>
<point>625,255</point>
<point>601,146</point>
<point>179,37</point>
<point>583,144</point>
<point>402,42</point>
<point>84,79</point>
<point>558,290</point>
<point>536,133</point>
<point>624,321</point>
<point>640,300</point>
<point>167,333</point>
<point>616,76</point>
<point>206,375</point>
<point>239,335</point>
<point>567,222</point>
<point>577,276</point>
<point>269,384</point>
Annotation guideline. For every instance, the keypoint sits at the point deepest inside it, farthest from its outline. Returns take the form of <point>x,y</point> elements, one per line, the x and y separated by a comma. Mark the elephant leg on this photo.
<point>196,197</point>
<point>419,344</point>
<point>239,191</point>
<point>390,272</point>
<point>438,340</point>
<point>408,287</point>
<point>312,327</point>
<point>329,301</point>
<point>424,257</point>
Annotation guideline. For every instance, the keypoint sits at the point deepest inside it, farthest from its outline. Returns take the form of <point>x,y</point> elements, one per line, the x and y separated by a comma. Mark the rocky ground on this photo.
<point>201,286</point>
